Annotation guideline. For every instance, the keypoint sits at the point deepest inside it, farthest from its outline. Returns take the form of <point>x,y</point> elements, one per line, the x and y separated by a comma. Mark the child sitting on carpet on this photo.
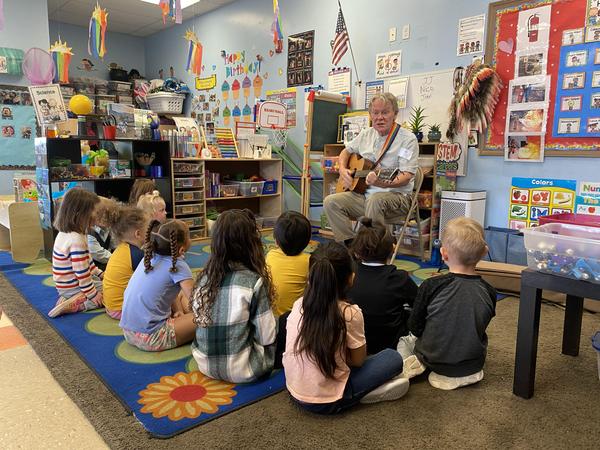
<point>77,279</point>
<point>154,318</point>
<point>100,242</point>
<point>129,230</point>
<point>325,359</point>
<point>384,293</point>
<point>154,206</point>
<point>451,314</point>
<point>287,263</point>
<point>235,338</point>
<point>140,187</point>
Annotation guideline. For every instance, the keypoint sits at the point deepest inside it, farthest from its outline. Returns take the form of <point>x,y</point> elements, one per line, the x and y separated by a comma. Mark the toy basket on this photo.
<point>165,102</point>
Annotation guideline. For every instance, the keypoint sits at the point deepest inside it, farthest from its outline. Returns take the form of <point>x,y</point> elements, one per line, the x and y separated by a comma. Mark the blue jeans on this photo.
<point>376,370</point>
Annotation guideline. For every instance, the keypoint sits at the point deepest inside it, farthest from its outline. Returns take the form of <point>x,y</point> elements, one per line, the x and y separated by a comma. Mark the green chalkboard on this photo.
<point>324,123</point>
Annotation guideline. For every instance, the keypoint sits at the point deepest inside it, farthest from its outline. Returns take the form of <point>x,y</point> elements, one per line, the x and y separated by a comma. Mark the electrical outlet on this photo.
<point>406,32</point>
<point>393,34</point>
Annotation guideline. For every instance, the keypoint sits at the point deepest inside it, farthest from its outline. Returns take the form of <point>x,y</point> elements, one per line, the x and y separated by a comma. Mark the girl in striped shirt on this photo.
<point>77,279</point>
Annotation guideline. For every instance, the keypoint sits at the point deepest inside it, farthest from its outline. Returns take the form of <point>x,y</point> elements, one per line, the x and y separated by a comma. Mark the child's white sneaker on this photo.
<point>412,367</point>
<point>449,383</point>
<point>68,305</point>
<point>406,345</point>
<point>392,390</point>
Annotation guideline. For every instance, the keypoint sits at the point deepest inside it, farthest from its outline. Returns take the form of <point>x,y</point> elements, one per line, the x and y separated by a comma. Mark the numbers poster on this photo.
<point>531,198</point>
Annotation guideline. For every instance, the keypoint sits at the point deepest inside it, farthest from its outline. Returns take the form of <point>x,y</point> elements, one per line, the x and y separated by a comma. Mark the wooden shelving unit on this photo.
<point>189,195</point>
<point>265,206</point>
<point>51,188</point>
<point>431,182</point>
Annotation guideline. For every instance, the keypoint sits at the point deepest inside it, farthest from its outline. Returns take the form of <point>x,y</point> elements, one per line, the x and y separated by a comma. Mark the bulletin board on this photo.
<point>17,129</point>
<point>504,50</point>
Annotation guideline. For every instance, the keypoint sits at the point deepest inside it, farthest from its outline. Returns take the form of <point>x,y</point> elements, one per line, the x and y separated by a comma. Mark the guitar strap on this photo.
<point>388,142</point>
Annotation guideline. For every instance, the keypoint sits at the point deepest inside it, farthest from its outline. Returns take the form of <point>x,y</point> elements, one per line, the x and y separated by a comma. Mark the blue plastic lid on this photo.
<point>596,341</point>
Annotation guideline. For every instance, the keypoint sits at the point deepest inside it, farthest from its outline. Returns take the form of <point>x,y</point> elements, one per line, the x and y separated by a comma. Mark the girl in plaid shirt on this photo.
<point>232,304</point>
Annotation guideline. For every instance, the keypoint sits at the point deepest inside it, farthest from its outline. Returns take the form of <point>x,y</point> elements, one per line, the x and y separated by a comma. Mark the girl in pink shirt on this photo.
<point>326,367</point>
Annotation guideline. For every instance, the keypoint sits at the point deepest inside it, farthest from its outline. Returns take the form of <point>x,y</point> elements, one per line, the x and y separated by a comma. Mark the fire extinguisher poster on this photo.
<point>470,35</point>
<point>533,29</point>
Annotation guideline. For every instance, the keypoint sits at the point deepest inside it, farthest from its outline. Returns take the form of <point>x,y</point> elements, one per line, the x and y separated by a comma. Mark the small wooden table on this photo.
<point>532,284</point>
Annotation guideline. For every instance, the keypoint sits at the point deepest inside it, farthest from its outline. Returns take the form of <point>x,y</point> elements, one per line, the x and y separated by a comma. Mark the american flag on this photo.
<point>340,43</point>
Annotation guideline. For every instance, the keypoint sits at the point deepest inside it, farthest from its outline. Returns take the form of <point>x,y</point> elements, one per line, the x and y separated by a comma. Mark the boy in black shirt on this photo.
<point>451,314</point>
<point>384,293</point>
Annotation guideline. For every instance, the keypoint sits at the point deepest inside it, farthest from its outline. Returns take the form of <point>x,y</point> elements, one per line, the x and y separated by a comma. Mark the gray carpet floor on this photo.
<point>563,413</point>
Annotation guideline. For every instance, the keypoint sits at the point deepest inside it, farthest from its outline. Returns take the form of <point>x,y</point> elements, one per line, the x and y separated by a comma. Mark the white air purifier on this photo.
<point>462,204</point>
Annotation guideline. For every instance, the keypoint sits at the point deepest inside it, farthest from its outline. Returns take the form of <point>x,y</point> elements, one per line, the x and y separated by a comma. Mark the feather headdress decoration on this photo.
<point>474,102</point>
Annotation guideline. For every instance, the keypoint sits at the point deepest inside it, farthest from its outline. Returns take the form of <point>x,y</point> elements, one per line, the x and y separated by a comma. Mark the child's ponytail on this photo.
<point>149,246</point>
<point>323,330</point>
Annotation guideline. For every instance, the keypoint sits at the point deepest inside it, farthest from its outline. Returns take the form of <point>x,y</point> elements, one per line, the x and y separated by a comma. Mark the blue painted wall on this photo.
<point>125,50</point>
<point>26,26</point>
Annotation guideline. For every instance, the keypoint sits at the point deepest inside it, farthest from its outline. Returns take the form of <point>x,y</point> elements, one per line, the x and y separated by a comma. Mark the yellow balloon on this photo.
<point>81,105</point>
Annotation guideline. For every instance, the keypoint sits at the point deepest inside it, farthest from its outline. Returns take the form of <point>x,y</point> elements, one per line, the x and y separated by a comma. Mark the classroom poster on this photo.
<point>531,198</point>
<point>288,98</point>
<point>340,81</point>
<point>388,64</point>
<point>300,58</point>
<point>451,159</point>
<point>372,88</point>
<point>399,88</point>
<point>470,35</point>
<point>588,199</point>
<point>570,116</point>
<point>17,128</point>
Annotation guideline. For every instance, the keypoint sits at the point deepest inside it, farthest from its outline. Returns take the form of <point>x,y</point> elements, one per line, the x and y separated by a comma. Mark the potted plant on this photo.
<point>434,134</point>
<point>417,122</point>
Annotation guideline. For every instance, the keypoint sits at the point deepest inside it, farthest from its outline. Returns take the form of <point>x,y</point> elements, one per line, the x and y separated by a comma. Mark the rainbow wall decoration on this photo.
<point>194,59</point>
<point>61,54</point>
<point>172,9</point>
<point>276,28</point>
<point>97,32</point>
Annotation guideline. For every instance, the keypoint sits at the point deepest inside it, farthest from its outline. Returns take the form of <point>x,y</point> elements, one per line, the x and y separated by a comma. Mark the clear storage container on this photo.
<point>193,222</point>
<point>189,209</point>
<point>186,167</point>
<point>196,234</point>
<point>228,190</point>
<point>412,242</point>
<point>567,250</point>
<point>265,222</point>
<point>188,196</point>
<point>249,188</point>
<point>188,182</point>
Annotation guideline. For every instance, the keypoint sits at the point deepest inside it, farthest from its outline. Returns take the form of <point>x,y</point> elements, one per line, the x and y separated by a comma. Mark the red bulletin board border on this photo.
<point>503,18</point>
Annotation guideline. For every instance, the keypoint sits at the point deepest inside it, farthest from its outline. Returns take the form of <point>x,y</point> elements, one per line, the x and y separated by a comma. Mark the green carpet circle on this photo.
<point>191,365</point>
<point>409,266</point>
<point>40,267</point>
<point>49,281</point>
<point>206,249</point>
<point>103,325</point>
<point>268,238</point>
<point>132,354</point>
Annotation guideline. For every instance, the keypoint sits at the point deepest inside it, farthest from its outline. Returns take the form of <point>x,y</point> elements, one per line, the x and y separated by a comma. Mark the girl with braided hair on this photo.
<point>232,303</point>
<point>154,318</point>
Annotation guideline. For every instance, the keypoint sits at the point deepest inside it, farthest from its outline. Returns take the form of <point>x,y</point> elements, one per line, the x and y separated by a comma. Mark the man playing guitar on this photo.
<point>388,145</point>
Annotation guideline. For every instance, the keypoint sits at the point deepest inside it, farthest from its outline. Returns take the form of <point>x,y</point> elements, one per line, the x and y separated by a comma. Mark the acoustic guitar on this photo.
<point>360,168</point>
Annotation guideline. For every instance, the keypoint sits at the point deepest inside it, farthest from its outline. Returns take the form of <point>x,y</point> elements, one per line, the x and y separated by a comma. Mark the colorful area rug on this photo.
<point>164,390</point>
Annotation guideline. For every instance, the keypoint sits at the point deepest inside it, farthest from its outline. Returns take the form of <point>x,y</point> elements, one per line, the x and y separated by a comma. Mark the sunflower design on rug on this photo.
<point>185,396</point>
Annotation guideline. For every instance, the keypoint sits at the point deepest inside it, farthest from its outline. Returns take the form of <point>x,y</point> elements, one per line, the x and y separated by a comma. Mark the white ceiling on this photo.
<point>132,17</point>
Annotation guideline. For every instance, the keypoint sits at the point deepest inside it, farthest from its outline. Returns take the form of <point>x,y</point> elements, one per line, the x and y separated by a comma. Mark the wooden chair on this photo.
<point>413,213</point>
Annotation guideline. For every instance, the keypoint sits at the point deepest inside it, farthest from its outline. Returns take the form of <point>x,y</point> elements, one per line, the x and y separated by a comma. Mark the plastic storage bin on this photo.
<point>573,219</point>
<point>270,187</point>
<point>265,222</point>
<point>185,167</point>
<point>196,234</point>
<point>189,209</point>
<point>412,242</point>
<point>193,222</point>
<point>165,102</point>
<point>228,190</point>
<point>567,250</point>
<point>188,196</point>
<point>249,188</point>
<point>188,182</point>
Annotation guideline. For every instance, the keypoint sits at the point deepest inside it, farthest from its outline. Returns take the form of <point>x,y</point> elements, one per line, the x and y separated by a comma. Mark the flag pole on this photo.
<point>358,81</point>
